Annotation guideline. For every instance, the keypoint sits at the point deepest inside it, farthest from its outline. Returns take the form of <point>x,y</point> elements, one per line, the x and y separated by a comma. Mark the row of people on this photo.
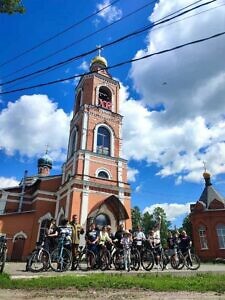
<point>96,238</point>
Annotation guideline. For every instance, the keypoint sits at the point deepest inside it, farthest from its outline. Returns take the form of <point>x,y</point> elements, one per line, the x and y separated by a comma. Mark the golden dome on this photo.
<point>99,60</point>
<point>206,175</point>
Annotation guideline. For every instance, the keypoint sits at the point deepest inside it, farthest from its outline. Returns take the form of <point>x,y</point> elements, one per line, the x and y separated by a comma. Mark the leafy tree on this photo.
<point>187,226</point>
<point>136,217</point>
<point>147,222</point>
<point>11,6</point>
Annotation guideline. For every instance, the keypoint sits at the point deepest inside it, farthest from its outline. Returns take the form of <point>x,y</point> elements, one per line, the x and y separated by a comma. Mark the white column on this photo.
<point>86,166</point>
<point>67,202</point>
<point>84,131</point>
<point>84,206</point>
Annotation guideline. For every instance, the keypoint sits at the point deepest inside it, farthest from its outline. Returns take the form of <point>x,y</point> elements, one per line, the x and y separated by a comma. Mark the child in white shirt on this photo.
<point>126,241</point>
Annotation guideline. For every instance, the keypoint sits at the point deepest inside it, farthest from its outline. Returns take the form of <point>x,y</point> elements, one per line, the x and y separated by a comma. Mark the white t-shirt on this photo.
<point>139,237</point>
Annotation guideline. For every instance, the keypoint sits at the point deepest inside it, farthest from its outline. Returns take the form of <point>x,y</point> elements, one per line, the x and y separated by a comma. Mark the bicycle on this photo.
<point>147,259</point>
<point>61,257</point>
<point>39,259</point>
<point>3,252</point>
<point>85,259</point>
<point>192,261</point>
<point>177,260</point>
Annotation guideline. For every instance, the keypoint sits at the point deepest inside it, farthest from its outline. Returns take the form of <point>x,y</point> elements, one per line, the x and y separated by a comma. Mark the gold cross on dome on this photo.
<point>99,48</point>
<point>204,164</point>
<point>46,149</point>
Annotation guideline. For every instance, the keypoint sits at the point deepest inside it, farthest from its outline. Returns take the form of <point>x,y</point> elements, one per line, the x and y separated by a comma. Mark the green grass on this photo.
<point>198,283</point>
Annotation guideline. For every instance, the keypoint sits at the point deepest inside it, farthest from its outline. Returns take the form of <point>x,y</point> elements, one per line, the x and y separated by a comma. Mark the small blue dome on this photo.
<point>45,161</point>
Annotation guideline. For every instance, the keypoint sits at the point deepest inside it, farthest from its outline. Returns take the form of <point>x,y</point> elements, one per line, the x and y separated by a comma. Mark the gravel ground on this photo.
<point>72,293</point>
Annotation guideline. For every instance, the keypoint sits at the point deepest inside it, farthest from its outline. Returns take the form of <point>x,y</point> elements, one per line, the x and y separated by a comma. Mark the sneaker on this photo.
<point>166,267</point>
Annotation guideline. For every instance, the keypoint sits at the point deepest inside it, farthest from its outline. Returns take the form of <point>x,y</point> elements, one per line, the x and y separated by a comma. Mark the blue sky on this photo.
<point>173,104</point>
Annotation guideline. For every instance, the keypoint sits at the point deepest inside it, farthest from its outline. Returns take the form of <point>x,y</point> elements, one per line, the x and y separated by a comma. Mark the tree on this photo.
<point>147,222</point>
<point>187,226</point>
<point>136,217</point>
<point>11,6</point>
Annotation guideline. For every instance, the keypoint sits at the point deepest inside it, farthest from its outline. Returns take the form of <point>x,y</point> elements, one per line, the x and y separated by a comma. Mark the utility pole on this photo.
<point>22,192</point>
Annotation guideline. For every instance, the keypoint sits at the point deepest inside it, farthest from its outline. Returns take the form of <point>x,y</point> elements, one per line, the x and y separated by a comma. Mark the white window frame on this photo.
<point>111,138</point>
<point>203,238</point>
<point>220,230</point>
<point>103,170</point>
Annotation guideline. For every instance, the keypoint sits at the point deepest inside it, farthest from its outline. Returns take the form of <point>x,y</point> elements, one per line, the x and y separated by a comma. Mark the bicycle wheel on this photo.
<point>177,261</point>
<point>135,259</point>
<point>192,261</point>
<point>38,261</point>
<point>2,260</point>
<point>60,260</point>
<point>147,260</point>
<point>104,260</point>
<point>163,260</point>
<point>118,259</point>
<point>86,260</point>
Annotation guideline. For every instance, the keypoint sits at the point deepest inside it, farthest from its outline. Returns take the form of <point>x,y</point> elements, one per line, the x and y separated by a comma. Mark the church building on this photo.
<point>208,223</point>
<point>93,183</point>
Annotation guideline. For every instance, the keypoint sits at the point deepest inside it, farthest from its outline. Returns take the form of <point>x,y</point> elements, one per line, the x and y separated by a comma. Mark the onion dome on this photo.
<point>207,176</point>
<point>99,60</point>
<point>45,161</point>
<point>98,63</point>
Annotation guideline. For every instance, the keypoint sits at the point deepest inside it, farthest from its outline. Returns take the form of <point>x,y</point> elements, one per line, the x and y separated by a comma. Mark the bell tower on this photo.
<point>94,171</point>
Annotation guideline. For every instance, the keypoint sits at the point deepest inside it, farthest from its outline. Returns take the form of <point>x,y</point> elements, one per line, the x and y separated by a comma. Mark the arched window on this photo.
<point>43,226</point>
<point>103,174</point>
<point>73,143</point>
<point>203,237</point>
<point>220,229</point>
<point>103,141</point>
<point>105,98</point>
<point>78,101</point>
<point>102,220</point>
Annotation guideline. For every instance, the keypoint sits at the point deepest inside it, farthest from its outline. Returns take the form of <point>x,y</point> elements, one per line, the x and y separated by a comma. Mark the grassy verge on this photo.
<point>198,283</point>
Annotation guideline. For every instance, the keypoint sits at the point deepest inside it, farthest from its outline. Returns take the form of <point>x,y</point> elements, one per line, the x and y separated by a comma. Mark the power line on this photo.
<point>119,64</point>
<point>143,29</point>
<point>58,34</point>
<point>23,81</point>
<point>78,41</point>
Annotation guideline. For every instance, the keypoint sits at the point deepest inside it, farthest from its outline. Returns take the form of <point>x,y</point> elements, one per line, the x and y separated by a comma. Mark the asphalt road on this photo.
<point>17,270</point>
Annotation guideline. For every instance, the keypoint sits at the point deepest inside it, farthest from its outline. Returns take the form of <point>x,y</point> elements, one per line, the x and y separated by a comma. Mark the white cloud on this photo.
<point>180,124</point>
<point>8,182</point>
<point>84,66</point>
<point>172,210</point>
<point>131,174</point>
<point>30,123</point>
<point>111,13</point>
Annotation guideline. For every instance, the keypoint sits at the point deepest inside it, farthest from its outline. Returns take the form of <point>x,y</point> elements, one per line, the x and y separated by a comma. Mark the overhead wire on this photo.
<point>58,34</point>
<point>119,64</point>
<point>79,40</point>
<point>153,29</point>
<point>134,33</point>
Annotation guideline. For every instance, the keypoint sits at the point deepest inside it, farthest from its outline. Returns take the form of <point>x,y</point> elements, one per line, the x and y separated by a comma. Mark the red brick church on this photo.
<point>208,223</point>
<point>93,183</point>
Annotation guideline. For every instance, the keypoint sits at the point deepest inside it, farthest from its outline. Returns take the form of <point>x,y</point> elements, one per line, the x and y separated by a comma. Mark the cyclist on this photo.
<point>50,237</point>
<point>139,237</point>
<point>155,241</point>
<point>65,231</point>
<point>126,242</point>
<point>104,237</point>
<point>184,242</point>
<point>92,239</point>
<point>76,231</point>
<point>119,235</point>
